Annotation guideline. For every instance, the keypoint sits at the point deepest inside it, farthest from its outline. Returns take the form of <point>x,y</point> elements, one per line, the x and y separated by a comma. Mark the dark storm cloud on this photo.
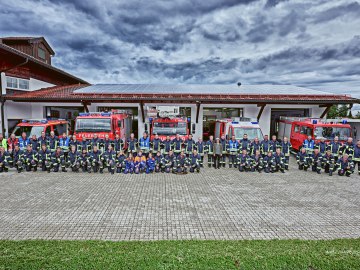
<point>299,42</point>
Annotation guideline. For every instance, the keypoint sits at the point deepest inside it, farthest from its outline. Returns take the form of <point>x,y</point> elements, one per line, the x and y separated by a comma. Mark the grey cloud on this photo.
<point>351,9</point>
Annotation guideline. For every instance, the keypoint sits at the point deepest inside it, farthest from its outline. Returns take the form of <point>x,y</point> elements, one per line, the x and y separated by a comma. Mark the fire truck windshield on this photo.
<point>93,125</point>
<point>167,128</point>
<point>329,133</point>
<point>252,133</point>
<point>29,130</point>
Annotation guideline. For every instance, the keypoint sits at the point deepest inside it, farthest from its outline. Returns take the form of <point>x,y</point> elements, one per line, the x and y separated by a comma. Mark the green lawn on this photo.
<point>274,254</point>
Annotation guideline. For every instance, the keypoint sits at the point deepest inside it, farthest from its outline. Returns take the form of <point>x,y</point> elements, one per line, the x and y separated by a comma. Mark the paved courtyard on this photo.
<point>215,204</point>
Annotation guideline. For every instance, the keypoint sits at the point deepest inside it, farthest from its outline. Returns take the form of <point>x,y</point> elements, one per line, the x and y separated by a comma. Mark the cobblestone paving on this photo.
<point>215,204</point>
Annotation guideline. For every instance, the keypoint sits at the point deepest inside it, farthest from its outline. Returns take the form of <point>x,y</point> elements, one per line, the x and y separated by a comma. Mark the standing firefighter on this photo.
<point>132,144</point>
<point>73,159</point>
<point>58,159</point>
<point>303,159</point>
<point>254,146</point>
<point>168,145</point>
<point>265,145</point>
<point>274,144</point>
<point>223,142</point>
<point>200,148</point>
<point>178,145</point>
<point>118,144</point>
<point>285,149</point>
<point>335,147</point>
<point>309,144</point>
<point>356,157</point>
<point>45,158</point>
<point>189,146</point>
<point>53,142</point>
<point>209,149</point>
<point>322,146</point>
<point>233,150</point>
<point>144,144</point>
<point>156,144</point>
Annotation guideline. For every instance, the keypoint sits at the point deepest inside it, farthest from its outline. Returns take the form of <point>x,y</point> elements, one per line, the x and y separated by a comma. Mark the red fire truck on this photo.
<point>36,126</point>
<point>169,123</point>
<point>297,129</point>
<point>238,127</point>
<point>102,123</point>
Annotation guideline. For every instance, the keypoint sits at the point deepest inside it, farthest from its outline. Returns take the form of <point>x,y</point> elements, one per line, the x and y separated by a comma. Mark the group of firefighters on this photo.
<point>50,153</point>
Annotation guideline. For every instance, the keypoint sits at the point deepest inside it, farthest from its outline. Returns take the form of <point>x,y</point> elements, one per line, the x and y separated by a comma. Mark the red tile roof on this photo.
<point>66,94</point>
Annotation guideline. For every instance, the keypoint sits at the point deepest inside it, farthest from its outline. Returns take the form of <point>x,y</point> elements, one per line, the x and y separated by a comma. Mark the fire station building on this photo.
<point>31,88</point>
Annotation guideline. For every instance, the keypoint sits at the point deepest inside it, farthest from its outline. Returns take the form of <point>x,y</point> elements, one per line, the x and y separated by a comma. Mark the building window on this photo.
<point>41,53</point>
<point>23,84</point>
<point>12,82</point>
<point>15,83</point>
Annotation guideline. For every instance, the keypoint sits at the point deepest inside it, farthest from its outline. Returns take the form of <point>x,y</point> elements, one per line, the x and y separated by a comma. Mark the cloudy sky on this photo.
<point>311,43</point>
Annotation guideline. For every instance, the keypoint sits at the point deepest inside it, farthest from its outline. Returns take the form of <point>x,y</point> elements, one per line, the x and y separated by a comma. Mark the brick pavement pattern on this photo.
<point>214,204</point>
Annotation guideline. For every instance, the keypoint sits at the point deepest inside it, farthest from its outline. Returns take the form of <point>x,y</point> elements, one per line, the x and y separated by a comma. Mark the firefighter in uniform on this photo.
<point>64,143</point>
<point>167,146</point>
<point>345,166</point>
<point>194,162</point>
<point>308,144</point>
<point>144,144</point>
<point>43,139</point>
<point>30,159</point>
<point>209,149</point>
<point>120,162</point>
<point>328,162</point>
<point>150,164</point>
<point>84,160</point>
<point>129,164</point>
<point>255,145</point>
<point>245,144</point>
<point>257,161</point>
<point>265,145</point>
<point>244,161</point>
<point>315,161</point>
<point>178,145</point>
<point>23,142</point>
<point>303,159</point>
<point>223,142</point>
<point>110,159</point>
<point>268,162</point>
<point>85,144</point>
<point>106,142</point>
<point>73,159</point>
<point>58,159</point>
<point>279,161</point>
<point>233,150</point>
<point>182,163</point>
<point>156,144</point>
<point>131,144</point>
<point>52,142</point>
<point>356,157</point>
<point>189,146</point>
<point>274,144</point>
<point>4,159</point>
<point>285,149</point>
<point>159,162</point>
<point>45,158</point>
<point>200,148</point>
<point>35,143</point>
<point>3,142</point>
<point>170,162</point>
<point>18,158</point>
<point>322,146</point>
<point>348,148</point>
<point>96,160</point>
<point>335,147</point>
<point>140,163</point>
<point>76,143</point>
<point>118,144</point>
<point>96,141</point>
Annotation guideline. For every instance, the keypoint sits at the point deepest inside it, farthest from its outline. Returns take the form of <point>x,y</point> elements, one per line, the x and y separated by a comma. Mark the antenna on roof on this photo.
<point>238,84</point>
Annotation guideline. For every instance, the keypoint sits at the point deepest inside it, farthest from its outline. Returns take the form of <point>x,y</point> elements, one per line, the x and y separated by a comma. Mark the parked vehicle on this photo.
<point>36,126</point>
<point>238,127</point>
<point>297,129</point>
<point>102,123</point>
